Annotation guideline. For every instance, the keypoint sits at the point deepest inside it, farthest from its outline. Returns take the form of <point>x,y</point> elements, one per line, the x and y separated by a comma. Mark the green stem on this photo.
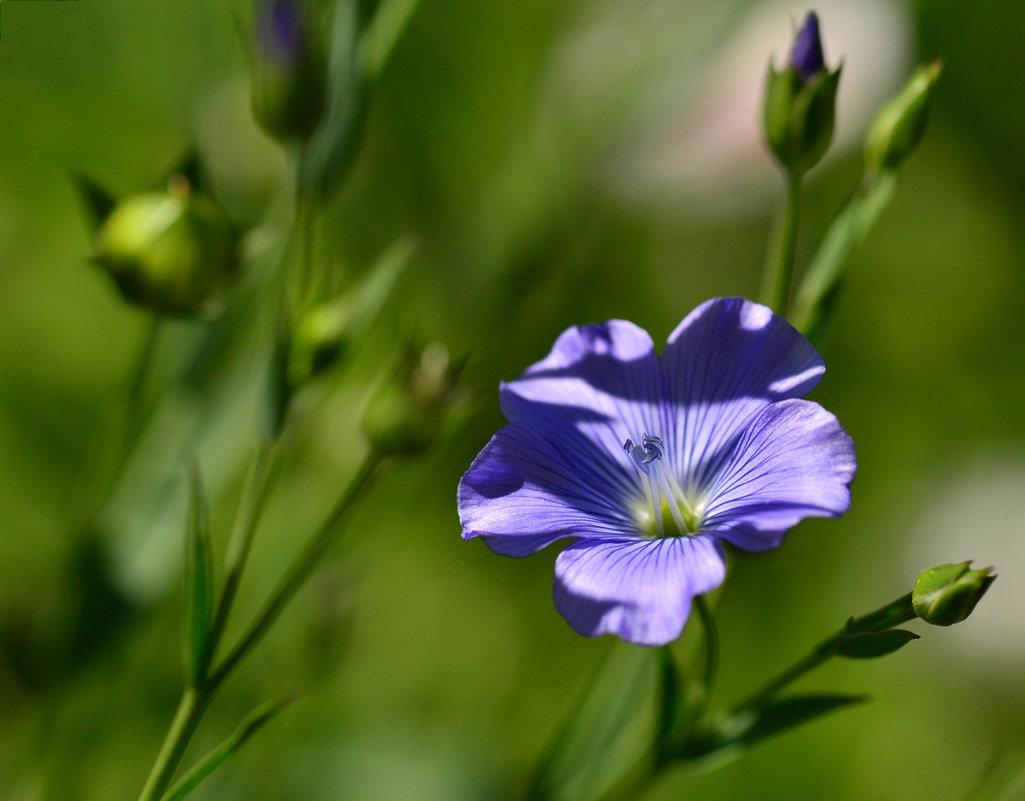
<point>820,654</point>
<point>259,482</point>
<point>191,707</point>
<point>196,699</point>
<point>300,570</point>
<point>298,268</point>
<point>779,268</point>
<point>711,664</point>
<point>893,614</point>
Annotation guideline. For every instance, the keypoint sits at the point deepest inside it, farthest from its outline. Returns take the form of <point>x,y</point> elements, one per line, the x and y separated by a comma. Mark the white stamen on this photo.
<point>661,485</point>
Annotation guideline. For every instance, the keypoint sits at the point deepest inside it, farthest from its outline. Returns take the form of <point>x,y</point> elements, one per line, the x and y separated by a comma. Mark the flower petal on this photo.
<point>601,381</point>
<point>521,493</point>
<point>727,361</point>
<point>640,590</point>
<point>793,461</point>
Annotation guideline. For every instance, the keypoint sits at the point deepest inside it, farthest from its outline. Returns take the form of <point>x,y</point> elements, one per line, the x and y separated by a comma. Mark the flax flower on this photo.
<point>653,463</point>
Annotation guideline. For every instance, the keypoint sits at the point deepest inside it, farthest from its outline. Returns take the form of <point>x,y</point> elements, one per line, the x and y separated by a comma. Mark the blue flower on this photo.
<point>652,463</point>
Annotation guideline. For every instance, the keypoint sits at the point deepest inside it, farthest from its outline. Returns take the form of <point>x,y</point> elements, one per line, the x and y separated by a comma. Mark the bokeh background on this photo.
<point>558,163</point>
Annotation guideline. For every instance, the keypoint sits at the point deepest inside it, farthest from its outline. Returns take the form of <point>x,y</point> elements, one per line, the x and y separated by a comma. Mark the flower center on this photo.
<point>667,512</point>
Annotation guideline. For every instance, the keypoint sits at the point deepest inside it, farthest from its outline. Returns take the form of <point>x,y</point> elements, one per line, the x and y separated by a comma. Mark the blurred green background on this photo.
<point>559,163</point>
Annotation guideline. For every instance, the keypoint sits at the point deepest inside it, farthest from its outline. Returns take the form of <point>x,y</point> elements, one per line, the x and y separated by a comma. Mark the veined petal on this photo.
<point>522,493</point>
<point>727,361</point>
<point>602,381</point>
<point>793,461</point>
<point>640,590</point>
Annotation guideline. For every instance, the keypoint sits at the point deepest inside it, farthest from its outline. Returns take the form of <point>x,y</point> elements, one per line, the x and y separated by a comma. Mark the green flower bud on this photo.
<point>799,112</point>
<point>947,594</point>
<point>289,69</point>
<point>900,125</point>
<point>172,252</point>
<point>405,415</point>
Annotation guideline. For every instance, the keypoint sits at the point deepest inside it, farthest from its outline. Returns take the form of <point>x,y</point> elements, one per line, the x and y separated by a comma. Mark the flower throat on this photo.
<point>667,513</point>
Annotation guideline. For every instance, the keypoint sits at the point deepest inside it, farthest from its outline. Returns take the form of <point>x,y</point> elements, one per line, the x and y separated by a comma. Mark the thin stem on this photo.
<point>883,619</point>
<point>299,269</point>
<point>711,664</point>
<point>196,699</point>
<point>301,569</point>
<point>779,267</point>
<point>820,654</point>
<point>190,711</point>
<point>893,614</point>
<point>259,481</point>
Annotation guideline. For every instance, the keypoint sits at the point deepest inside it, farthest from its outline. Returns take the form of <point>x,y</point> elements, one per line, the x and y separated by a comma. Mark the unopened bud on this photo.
<point>172,252</point>
<point>289,68</point>
<point>799,112</point>
<point>900,125</point>
<point>806,55</point>
<point>406,414</point>
<point>947,594</point>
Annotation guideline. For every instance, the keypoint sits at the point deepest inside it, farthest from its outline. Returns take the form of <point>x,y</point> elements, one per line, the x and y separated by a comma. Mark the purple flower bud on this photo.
<point>807,56</point>
<point>280,30</point>
<point>289,72</point>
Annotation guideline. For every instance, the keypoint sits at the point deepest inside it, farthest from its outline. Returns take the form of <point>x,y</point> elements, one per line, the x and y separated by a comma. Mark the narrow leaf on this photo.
<point>198,581</point>
<point>378,287</point>
<point>789,713</point>
<point>389,23</point>
<point>818,288</point>
<point>208,764</point>
<point>728,738</point>
<point>871,644</point>
<point>609,729</point>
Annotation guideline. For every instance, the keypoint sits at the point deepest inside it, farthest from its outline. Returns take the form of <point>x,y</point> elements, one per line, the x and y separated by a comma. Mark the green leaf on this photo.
<point>789,713</point>
<point>610,728</point>
<point>872,644</point>
<point>726,740</point>
<point>198,582</point>
<point>390,21</point>
<point>849,229</point>
<point>208,764</point>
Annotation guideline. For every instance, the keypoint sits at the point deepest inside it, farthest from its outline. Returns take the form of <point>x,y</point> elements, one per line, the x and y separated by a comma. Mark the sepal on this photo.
<point>947,594</point>
<point>173,252</point>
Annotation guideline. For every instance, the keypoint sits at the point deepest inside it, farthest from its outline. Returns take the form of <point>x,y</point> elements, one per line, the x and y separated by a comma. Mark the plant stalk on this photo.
<point>779,268</point>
